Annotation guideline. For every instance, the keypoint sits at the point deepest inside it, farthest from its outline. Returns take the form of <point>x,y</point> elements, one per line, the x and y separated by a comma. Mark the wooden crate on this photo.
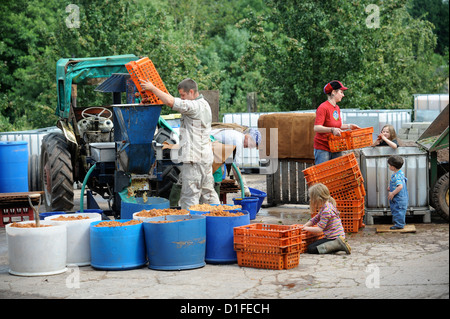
<point>288,185</point>
<point>14,207</point>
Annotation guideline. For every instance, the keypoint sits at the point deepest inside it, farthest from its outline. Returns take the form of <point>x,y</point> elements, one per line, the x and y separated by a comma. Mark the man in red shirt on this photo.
<point>328,120</point>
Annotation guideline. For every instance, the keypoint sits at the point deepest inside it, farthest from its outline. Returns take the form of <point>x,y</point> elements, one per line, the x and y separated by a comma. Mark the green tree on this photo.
<point>138,27</point>
<point>234,75</point>
<point>315,42</point>
<point>284,50</point>
<point>397,63</point>
<point>27,41</point>
<point>437,12</point>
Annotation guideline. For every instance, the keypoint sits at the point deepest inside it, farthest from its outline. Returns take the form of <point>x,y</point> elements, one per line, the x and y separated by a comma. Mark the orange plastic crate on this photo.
<point>338,143</point>
<point>338,181</point>
<point>268,230</point>
<point>350,206</point>
<point>268,246</point>
<point>351,225</point>
<point>350,140</point>
<point>242,241</point>
<point>362,138</point>
<point>358,215</point>
<point>331,167</point>
<point>350,222</point>
<point>349,191</point>
<point>343,215</point>
<point>269,249</point>
<point>308,239</point>
<point>144,69</point>
<point>345,184</point>
<point>334,174</point>
<point>351,194</point>
<point>268,261</point>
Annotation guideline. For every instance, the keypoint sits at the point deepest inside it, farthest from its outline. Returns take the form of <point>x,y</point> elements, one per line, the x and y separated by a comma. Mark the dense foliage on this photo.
<point>286,51</point>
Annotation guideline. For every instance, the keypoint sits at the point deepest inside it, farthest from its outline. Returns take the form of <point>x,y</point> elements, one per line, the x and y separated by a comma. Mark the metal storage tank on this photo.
<point>376,173</point>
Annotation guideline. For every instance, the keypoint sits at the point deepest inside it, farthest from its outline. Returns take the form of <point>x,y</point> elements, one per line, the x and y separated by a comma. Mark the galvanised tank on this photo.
<point>376,173</point>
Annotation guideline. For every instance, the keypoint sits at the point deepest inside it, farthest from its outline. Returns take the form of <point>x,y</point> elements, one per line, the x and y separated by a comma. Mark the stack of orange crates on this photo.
<point>268,246</point>
<point>308,238</point>
<point>344,180</point>
<point>144,69</point>
<point>350,140</point>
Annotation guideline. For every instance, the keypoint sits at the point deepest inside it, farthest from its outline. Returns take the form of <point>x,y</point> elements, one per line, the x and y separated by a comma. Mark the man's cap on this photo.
<point>256,135</point>
<point>333,85</point>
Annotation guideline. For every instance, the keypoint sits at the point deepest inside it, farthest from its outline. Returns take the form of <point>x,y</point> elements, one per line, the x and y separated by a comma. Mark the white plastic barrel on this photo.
<point>37,251</point>
<point>78,236</point>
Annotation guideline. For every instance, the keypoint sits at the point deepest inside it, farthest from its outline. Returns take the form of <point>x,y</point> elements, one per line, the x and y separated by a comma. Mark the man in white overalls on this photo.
<point>196,150</point>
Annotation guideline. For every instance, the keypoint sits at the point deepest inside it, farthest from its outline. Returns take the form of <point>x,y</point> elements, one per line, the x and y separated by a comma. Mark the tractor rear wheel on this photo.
<point>56,172</point>
<point>441,196</point>
<point>170,173</point>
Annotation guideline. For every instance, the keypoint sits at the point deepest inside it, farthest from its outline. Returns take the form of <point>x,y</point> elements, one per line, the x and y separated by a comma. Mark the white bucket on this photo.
<point>37,251</point>
<point>78,237</point>
<point>136,217</point>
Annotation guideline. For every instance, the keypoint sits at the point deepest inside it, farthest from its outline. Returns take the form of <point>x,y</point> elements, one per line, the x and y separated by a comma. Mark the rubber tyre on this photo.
<point>56,173</point>
<point>441,196</point>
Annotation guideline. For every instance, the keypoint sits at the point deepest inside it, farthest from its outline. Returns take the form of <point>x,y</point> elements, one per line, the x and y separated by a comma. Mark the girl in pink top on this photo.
<point>326,221</point>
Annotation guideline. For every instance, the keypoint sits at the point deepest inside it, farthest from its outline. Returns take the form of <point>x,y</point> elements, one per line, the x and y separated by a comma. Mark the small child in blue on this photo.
<point>398,193</point>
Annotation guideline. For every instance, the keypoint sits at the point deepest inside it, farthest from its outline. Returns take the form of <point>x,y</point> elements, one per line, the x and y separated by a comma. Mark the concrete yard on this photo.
<point>382,265</point>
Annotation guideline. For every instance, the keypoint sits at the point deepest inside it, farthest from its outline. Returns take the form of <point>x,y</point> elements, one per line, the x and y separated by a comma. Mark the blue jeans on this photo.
<point>398,211</point>
<point>323,156</point>
<point>399,205</point>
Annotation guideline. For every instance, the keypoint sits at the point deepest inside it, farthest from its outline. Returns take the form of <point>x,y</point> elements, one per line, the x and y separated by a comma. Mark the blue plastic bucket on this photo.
<point>260,194</point>
<point>249,204</point>
<point>129,206</point>
<point>43,215</point>
<point>13,167</point>
<point>178,245</point>
<point>117,248</point>
<point>220,237</point>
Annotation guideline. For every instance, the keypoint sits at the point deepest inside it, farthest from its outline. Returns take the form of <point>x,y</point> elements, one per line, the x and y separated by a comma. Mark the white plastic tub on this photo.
<point>78,238</point>
<point>37,251</point>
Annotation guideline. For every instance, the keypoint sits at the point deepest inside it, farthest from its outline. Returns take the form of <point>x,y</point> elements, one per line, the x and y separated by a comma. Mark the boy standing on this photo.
<point>398,193</point>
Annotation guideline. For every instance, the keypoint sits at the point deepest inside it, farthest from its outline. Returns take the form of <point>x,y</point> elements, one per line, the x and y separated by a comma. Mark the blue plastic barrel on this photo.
<point>249,204</point>
<point>130,206</point>
<point>199,212</point>
<point>220,237</point>
<point>13,166</point>
<point>117,248</point>
<point>178,245</point>
<point>260,194</point>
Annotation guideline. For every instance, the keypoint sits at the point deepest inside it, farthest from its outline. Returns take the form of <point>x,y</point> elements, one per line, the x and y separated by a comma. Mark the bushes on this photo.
<point>284,51</point>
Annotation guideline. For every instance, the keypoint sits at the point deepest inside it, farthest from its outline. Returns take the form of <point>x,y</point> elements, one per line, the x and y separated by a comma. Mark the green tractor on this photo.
<point>94,146</point>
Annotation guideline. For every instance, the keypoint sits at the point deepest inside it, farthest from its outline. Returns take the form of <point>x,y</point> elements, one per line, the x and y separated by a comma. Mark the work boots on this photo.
<point>339,244</point>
